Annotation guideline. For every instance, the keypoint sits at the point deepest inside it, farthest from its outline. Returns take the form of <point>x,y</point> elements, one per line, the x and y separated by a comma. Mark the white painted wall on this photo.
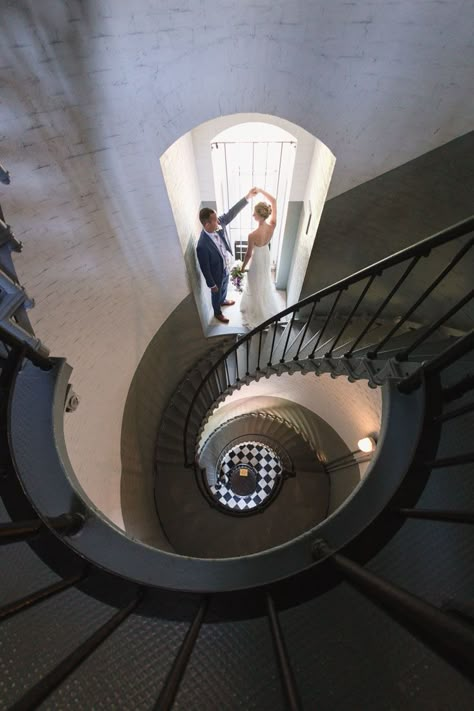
<point>179,171</point>
<point>93,93</point>
<point>316,190</point>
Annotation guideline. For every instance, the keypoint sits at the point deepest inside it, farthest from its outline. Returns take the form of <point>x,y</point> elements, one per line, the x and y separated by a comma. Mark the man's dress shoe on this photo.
<point>221,318</point>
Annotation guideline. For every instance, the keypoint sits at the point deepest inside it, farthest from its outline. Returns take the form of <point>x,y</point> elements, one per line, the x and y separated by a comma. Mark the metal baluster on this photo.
<point>438,363</point>
<point>351,315</point>
<point>445,634</point>
<point>275,326</point>
<point>305,330</point>
<point>438,515</point>
<point>348,463</point>
<point>260,336</point>
<point>456,391</point>
<point>221,389</point>
<point>424,295</point>
<point>326,323</point>
<point>452,461</point>
<point>24,530</point>
<point>226,368</point>
<point>286,674</point>
<point>36,695</point>
<point>237,379</point>
<point>247,345</point>
<point>340,459</point>
<point>282,359</point>
<point>402,355</point>
<point>176,673</point>
<point>455,413</point>
<point>387,299</point>
<point>29,600</point>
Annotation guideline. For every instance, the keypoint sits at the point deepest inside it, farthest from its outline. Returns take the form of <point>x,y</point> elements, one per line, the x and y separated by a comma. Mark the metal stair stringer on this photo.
<point>375,372</point>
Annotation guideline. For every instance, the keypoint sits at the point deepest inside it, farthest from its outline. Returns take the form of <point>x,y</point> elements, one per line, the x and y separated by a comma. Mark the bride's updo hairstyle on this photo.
<point>263,209</point>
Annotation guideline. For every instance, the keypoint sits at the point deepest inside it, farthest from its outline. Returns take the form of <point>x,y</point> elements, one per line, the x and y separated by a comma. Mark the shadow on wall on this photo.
<point>392,212</point>
<point>175,348</point>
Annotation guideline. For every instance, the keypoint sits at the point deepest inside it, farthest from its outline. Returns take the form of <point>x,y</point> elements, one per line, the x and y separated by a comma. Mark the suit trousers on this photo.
<point>218,297</point>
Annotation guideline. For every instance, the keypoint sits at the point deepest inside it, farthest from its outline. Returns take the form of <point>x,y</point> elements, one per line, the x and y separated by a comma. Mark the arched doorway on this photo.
<point>247,154</point>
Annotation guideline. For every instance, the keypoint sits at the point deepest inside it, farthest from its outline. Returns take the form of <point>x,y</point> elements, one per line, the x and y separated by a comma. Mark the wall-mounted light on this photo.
<point>366,444</point>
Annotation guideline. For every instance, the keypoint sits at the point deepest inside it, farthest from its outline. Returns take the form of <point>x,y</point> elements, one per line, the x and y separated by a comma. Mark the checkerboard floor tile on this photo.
<point>267,466</point>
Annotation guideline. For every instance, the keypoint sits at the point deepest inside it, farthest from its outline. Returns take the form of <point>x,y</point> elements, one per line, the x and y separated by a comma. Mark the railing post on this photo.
<point>384,303</point>
<point>423,296</point>
<point>275,326</point>
<point>438,515</point>
<point>351,315</point>
<point>68,524</point>
<point>290,328</point>
<point>438,363</point>
<point>35,696</point>
<point>286,674</point>
<point>23,603</point>
<point>176,673</point>
<point>310,318</point>
<point>338,296</point>
<point>446,635</point>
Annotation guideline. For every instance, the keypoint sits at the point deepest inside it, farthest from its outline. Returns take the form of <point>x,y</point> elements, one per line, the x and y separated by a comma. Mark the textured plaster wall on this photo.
<point>182,181</point>
<point>321,169</point>
<point>179,171</point>
<point>93,92</point>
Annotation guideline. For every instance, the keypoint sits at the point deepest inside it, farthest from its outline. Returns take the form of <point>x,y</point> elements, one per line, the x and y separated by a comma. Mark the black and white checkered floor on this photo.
<point>265,462</point>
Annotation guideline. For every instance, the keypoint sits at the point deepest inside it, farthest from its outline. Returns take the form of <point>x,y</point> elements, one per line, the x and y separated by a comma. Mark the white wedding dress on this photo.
<point>259,300</point>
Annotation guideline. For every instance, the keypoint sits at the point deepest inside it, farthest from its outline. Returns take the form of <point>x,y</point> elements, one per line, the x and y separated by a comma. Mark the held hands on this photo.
<point>214,289</point>
<point>251,193</point>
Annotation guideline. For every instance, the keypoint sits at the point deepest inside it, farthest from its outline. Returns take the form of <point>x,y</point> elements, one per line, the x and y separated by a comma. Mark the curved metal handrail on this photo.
<point>420,249</point>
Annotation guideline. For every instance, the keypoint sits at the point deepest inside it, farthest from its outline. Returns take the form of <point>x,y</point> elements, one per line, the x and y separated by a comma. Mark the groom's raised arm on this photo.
<point>234,211</point>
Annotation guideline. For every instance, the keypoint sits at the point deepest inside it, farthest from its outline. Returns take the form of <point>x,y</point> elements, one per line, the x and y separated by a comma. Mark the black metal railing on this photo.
<point>450,637</point>
<point>40,691</point>
<point>293,317</point>
<point>68,524</point>
<point>447,636</point>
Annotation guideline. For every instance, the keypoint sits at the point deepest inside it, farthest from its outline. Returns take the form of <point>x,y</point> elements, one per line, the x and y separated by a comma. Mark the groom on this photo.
<point>212,249</point>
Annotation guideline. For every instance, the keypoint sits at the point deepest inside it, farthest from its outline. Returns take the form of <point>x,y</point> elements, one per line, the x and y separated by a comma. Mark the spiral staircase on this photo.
<point>293,606</point>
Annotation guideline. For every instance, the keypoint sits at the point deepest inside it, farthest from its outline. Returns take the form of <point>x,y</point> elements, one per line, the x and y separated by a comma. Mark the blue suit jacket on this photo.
<point>209,257</point>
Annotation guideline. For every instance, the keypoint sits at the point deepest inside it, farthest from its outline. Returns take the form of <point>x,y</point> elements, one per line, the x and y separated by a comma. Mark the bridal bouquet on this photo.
<point>237,276</point>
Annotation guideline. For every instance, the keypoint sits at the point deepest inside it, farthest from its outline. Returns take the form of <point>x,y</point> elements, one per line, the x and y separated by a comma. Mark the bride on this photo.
<point>259,301</point>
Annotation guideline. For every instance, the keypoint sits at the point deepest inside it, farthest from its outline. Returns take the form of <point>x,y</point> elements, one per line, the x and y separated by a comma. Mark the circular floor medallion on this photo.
<point>241,493</point>
<point>243,480</point>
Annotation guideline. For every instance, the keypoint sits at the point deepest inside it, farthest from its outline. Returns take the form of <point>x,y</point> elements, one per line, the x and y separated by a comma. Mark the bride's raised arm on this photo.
<point>273,217</point>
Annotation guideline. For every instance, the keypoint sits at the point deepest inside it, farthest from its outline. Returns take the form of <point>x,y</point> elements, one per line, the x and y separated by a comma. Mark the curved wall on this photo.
<point>94,92</point>
<point>324,440</point>
<point>353,410</point>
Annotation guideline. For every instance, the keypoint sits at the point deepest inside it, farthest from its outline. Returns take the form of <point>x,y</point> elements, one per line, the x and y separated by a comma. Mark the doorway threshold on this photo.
<point>235,325</point>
